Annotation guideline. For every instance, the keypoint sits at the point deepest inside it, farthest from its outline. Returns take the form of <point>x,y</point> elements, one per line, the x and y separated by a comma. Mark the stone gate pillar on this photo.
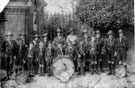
<point>15,13</point>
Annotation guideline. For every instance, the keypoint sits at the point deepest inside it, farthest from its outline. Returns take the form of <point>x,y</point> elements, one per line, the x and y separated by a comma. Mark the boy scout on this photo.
<point>122,47</point>
<point>30,58</point>
<point>111,52</point>
<point>45,43</point>
<point>35,42</point>
<point>100,50</point>
<point>41,57</point>
<point>23,50</point>
<point>93,53</point>
<point>60,50</point>
<point>49,56</point>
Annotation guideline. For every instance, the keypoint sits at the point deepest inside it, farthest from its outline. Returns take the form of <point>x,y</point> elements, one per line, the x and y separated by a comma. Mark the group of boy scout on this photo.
<point>88,53</point>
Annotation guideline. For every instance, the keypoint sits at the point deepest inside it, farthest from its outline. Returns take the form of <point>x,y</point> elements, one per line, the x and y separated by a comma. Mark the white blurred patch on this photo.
<point>3,4</point>
<point>60,6</point>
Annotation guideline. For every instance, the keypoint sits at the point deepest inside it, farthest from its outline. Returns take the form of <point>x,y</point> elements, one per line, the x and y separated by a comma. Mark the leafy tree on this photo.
<point>106,14</point>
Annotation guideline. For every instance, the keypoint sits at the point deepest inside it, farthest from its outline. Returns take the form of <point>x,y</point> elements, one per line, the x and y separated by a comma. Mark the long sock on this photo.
<point>113,67</point>
<point>110,69</point>
<point>93,67</point>
<point>101,66</point>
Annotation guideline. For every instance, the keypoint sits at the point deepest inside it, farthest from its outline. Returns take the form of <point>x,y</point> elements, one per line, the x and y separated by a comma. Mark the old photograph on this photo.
<point>67,44</point>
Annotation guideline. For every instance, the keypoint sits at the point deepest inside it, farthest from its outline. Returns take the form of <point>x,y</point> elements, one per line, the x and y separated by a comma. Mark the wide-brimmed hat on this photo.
<point>97,32</point>
<point>45,35</point>
<point>36,36</point>
<point>22,34</point>
<point>85,31</point>
<point>110,32</point>
<point>9,34</point>
<point>120,31</point>
<point>58,30</point>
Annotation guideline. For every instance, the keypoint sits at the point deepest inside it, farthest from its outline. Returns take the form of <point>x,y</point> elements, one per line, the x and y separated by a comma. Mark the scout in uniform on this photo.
<point>122,47</point>
<point>30,58</point>
<point>59,38</point>
<point>111,52</point>
<point>93,53</point>
<point>60,50</point>
<point>23,50</point>
<point>49,56</point>
<point>41,57</point>
<point>100,50</point>
<point>45,39</point>
<point>10,50</point>
<point>45,42</point>
<point>73,39</point>
<point>80,58</point>
<point>35,61</point>
<point>70,50</point>
<point>83,53</point>
<point>86,55</point>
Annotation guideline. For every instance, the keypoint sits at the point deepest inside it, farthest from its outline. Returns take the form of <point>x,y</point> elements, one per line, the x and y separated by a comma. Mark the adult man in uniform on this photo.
<point>59,38</point>
<point>73,39</point>
<point>111,52</point>
<point>10,50</point>
<point>100,50</point>
<point>23,51</point>
<point>122,47</point>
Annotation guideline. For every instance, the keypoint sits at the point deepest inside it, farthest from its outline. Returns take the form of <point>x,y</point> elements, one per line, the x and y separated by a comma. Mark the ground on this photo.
<point>86,81</point>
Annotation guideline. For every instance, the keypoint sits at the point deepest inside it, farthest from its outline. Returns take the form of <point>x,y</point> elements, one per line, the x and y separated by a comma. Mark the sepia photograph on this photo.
<point>67,44</point>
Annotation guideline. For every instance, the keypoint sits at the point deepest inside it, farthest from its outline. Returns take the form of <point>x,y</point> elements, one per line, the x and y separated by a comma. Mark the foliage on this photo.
<point>106,13</point>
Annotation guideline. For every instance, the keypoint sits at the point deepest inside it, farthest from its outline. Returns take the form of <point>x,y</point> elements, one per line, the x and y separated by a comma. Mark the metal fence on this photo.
<point>50,22</point>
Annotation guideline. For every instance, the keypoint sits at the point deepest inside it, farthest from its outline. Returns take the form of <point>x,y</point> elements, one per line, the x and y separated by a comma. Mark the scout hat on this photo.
<point>97,32</point>
<point>45,35</point>
<point>9,34</point>
<point>120,31</point>
<point>22,34</point>
<point>110,32</point>
<point>58,30</point>
<point>36,35</point>
<point>85,31</point>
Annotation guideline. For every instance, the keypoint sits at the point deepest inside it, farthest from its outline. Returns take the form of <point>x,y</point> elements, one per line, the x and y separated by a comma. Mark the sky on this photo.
<point>60,6</point>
